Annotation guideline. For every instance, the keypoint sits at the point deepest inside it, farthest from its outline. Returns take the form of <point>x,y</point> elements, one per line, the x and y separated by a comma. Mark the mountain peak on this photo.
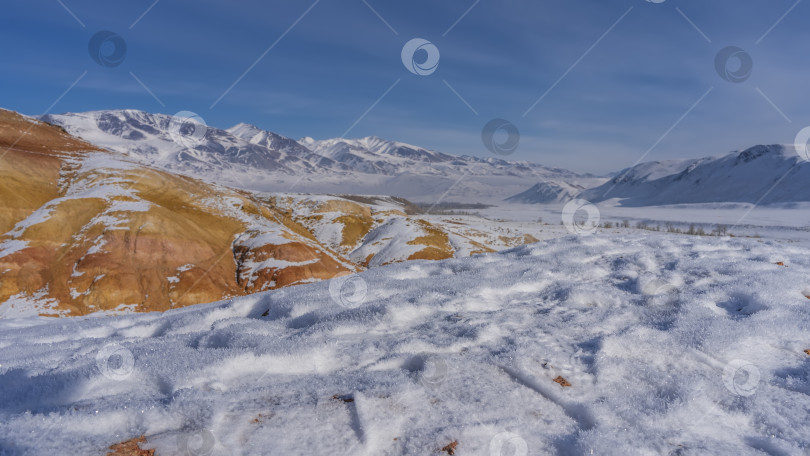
<point>243,125</point>
<point>546,193</point>
<point>244,130</point>
<point>747,176</point>
<point>752,153</point>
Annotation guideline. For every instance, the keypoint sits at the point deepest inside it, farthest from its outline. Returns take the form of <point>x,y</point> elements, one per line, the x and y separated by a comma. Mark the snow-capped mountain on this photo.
<point>377,155</point>
<point>256,159</point>
<point>546,193</point>
<point>339,149</point>
<point>188,145</point>
<point>764,174</point>
<point>249,157</point>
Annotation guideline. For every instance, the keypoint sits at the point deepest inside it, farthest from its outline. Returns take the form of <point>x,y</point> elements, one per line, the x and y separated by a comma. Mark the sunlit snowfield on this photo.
<point>629,343</point>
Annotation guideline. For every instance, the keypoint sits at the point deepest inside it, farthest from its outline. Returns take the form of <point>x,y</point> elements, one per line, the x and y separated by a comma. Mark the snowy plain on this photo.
<point>645,343</point>
<point>787,221</point>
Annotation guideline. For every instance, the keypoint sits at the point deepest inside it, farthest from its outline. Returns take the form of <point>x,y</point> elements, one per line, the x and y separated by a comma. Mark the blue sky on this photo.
<point>614,104</point>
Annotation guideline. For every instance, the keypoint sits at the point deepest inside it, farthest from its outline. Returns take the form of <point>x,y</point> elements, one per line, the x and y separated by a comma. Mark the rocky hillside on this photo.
<point>87,230</point>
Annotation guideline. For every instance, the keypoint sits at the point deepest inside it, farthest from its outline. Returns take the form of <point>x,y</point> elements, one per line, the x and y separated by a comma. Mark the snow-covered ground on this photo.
<point>790,221</point>
<point>666,344</point>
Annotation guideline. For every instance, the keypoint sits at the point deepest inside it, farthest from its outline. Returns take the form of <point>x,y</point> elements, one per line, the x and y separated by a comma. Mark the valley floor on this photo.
<point>786,222</point>
<point>630,343</point>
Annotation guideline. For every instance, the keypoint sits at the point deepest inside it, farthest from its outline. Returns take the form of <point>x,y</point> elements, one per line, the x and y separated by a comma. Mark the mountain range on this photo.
<point>760,174</point>
<point>251,158</point>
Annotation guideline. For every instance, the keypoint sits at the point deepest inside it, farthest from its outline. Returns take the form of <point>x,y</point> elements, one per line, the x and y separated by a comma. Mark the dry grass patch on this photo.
<point>344,207</point>
<point>130,448</point>
<point>355,228</point>
<point>436,242</point>
<point>450,448</point>
<point>562,381</point>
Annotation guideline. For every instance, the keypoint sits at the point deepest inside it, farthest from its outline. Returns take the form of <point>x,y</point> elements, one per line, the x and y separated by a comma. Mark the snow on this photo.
<point>39,216</point>
<point>671,344</point>
<point>129,206</point>
<point>97,246</point>
<point>394,235</point>
<point>11,246</point>
<point>24,305</point>
<point>789,222</point>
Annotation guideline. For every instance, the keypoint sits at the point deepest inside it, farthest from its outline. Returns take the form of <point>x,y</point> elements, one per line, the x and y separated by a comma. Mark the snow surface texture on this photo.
<point>670,344</point>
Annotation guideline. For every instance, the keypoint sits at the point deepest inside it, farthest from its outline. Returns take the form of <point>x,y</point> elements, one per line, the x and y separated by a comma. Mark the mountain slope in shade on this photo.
<point>546,193</point>
<point>248,157</point>
<point>764,174</point>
